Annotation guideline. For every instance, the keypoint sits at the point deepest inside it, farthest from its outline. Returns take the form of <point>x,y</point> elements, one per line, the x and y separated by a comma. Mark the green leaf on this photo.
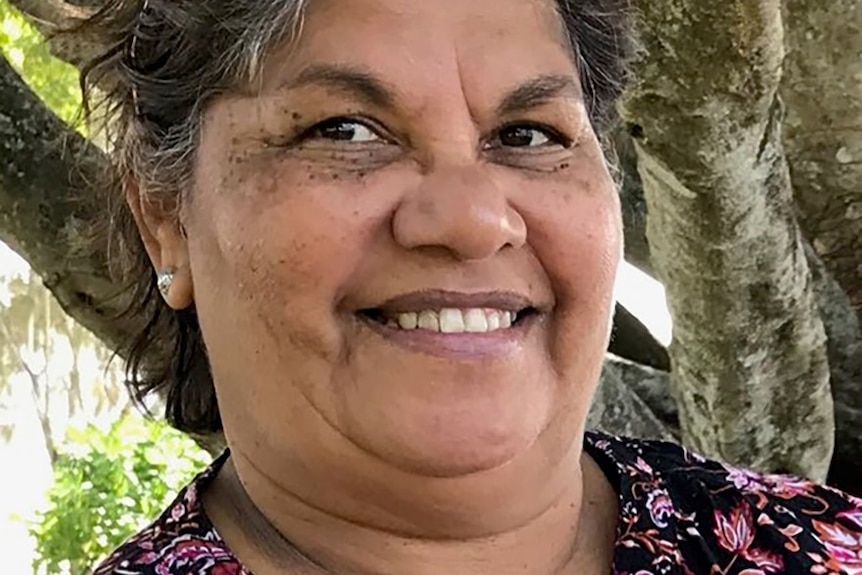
<point>55,81</point>
<point>107,485</point>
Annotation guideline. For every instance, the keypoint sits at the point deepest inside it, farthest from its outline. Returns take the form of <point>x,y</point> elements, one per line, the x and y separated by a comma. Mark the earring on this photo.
<point>164,280</point>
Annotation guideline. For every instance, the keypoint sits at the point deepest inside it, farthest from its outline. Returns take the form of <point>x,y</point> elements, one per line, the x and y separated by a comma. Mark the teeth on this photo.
<point>475,321</point>
<point>408,320</point>
<point>429,320</point>
<point>450,320</point>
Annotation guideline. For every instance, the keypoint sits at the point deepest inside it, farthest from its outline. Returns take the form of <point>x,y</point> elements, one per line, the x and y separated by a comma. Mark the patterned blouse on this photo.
<point>679,513</point>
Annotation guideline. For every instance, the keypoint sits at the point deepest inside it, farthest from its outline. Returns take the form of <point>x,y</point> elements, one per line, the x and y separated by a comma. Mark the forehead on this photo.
<point>430,46</point>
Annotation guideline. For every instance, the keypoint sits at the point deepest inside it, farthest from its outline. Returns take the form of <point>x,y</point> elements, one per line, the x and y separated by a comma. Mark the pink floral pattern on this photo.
<point>678,513</point>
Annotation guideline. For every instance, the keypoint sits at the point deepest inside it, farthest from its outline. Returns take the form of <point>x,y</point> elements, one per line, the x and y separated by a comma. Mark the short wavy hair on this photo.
<point>166,59</point>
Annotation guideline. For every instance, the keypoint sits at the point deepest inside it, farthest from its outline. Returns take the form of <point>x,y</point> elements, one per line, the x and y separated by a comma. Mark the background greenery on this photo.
<point>108,484</point>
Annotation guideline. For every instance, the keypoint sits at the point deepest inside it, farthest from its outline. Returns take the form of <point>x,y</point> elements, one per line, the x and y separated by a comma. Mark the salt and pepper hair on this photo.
<point>167,59</point>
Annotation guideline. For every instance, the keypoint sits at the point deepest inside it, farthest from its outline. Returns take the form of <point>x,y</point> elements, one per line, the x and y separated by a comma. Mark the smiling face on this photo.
<point>408,180</point>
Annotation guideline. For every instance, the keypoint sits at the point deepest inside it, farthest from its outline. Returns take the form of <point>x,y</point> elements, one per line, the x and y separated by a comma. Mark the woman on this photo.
<point>384,237</point>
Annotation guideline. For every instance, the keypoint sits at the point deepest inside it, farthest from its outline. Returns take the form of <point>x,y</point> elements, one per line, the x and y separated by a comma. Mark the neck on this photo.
<point>539,530</point>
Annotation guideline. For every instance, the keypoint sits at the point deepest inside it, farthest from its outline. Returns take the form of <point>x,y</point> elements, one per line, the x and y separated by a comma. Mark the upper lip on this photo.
<point>434,299</point>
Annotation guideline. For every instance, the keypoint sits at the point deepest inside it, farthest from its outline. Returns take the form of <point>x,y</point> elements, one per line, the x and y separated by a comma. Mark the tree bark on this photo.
<point>750,371</point>
<point>47,173</point>
<point>617,408</point>
<point>51,16</point>
<point>822,88</point>
<point>632,201</point>
<point>844,348</point>
<point>823,130</point>
<point>632,340</point>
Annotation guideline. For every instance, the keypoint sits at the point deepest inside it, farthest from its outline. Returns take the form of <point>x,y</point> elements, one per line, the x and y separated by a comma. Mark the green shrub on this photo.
<point>108,485</point>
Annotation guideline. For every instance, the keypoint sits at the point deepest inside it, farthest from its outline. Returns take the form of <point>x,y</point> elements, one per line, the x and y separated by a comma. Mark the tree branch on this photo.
<point>632,340</point>
<point>47,174</point>
<point>51,16</point>
<point>632,201</point>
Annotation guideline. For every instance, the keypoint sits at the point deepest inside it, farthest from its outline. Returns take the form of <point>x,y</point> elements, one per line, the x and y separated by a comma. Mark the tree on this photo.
<point>741,148</point>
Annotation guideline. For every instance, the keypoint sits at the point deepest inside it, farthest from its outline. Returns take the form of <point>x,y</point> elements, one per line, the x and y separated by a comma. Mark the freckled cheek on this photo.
<point>294,248</point>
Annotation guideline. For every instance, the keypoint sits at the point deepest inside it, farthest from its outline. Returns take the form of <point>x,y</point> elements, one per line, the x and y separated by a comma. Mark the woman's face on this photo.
<point>405,181</point>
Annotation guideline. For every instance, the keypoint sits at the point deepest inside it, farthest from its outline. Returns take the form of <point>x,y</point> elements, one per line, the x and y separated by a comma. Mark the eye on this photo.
<point>527,136</point>
<point>343,130</point>
<point>523,137</point>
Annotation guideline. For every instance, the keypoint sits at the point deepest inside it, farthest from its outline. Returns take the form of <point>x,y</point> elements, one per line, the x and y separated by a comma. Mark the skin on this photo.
<point>367,454</point>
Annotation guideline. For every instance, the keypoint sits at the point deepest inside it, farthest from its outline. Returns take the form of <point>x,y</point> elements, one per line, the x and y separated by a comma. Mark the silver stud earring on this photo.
<point>164,280</point>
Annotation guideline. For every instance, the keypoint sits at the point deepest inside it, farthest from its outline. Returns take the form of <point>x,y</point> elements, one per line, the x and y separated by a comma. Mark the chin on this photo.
<point>455,445</point>
<point>455,461</point>
<point>459,417</point>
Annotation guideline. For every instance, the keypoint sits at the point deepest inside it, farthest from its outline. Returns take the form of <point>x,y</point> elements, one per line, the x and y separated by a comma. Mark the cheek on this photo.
<point>578,238</point>
<point>277,249</point>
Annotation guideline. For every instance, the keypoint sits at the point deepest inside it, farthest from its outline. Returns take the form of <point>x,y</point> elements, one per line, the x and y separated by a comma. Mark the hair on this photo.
<point>165,61</point>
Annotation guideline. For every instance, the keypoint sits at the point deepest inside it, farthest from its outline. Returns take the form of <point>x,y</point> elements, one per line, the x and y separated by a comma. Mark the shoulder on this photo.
<point>763,522</point>
<point>180,541</point>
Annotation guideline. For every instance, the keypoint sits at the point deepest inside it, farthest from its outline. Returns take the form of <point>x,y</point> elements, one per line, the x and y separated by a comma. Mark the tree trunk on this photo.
<point>750,371</point>
<point>844,347</point>
<point>823,130</point>
<point>617,408</point>
<point>822,86</point>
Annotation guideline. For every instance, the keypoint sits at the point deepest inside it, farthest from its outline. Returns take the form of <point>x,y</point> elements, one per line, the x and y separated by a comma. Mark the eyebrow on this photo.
<point>538,91</point>
<point>356,82</point>
<point>349,80</point>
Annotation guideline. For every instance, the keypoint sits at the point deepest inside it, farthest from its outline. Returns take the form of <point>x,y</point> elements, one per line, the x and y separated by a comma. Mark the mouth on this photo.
<point>450,320</point>
<point>450,324</point>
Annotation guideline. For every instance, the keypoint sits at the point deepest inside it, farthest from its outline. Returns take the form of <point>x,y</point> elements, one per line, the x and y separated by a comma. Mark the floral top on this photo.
<point>679,513</point>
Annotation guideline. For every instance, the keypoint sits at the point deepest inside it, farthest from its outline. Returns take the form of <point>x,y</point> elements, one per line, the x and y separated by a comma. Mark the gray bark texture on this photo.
<point>749,365</point>
<point>46,206</point>
<point>822,87</point>
<point>844,348</point>
<point>618,409</point>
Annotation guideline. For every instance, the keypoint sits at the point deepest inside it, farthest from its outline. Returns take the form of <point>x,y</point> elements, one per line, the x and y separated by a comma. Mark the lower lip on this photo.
<point>459,346</point>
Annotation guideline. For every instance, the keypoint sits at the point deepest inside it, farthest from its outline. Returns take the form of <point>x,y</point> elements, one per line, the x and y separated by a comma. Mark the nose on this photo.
<point>461,209</point>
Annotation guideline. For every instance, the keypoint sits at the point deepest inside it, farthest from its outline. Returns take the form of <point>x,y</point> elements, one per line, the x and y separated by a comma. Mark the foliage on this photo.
<point>55,81</point>
<point>109,484</point>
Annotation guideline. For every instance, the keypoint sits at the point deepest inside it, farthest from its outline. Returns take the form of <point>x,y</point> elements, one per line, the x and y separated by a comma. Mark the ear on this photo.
<point>161,232</point>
